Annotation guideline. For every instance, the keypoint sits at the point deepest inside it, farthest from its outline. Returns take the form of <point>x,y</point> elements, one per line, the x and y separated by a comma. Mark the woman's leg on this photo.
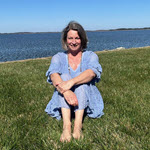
<point>81,92</point>
<point>66,114</point>
<point>78,124</point>
<point>66,134</point>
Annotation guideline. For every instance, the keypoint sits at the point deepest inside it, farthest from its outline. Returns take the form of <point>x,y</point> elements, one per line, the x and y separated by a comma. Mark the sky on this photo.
<point>54,15</point>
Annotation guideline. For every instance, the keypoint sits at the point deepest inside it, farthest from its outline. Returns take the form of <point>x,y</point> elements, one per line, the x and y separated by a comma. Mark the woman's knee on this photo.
<point>81,88</point>
<point>65,77</point>
<point>81,91</point>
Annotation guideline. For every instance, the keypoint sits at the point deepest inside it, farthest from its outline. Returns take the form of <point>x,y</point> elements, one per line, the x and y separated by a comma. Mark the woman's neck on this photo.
<point>74,59</point>
<point>75,53</point>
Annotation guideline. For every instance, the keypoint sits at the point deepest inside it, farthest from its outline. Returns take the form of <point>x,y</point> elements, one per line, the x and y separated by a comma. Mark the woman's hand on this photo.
<point>65,86</point>
<point>70,98</point>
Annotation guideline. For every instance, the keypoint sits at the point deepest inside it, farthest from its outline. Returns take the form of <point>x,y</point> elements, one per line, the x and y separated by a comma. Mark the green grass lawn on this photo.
<point>125,88</point>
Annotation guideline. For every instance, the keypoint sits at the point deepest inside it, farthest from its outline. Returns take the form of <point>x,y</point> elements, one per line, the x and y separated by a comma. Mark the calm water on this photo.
<point>25,46</point>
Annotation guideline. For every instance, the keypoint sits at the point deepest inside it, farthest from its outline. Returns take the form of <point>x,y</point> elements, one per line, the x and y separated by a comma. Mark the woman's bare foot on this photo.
<point>66,135</point>
<point>77,133</point>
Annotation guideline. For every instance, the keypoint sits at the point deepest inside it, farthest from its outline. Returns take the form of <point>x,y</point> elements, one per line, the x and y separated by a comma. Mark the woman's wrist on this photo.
<point>57,84</point>
<point>73,82</point>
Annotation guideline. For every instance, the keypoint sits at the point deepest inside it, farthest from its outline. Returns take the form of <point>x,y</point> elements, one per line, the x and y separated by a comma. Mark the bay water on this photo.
<point>36,45</point>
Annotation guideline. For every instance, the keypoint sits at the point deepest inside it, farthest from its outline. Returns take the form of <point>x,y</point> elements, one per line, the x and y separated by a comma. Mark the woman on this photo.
<point>73,73</point>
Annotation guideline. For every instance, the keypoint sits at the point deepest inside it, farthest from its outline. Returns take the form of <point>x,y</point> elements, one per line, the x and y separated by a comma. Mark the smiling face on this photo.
<point>73,41</point>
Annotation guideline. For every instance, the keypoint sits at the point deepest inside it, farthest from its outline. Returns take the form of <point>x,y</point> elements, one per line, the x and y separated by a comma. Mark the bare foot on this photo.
<point>77,133</point>
<point>65,136</point>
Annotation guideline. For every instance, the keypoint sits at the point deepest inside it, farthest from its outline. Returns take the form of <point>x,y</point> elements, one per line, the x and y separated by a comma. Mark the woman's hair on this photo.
<point>81,32</point>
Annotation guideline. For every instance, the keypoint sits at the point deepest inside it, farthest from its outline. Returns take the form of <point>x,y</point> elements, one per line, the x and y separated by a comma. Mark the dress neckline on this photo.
<point>80,64</point>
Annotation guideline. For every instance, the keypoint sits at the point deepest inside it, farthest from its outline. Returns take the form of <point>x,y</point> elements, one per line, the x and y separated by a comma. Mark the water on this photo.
<point>26,46</point>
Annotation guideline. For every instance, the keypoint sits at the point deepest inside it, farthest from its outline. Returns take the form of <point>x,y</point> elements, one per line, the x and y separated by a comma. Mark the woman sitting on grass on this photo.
<point>73,73</point>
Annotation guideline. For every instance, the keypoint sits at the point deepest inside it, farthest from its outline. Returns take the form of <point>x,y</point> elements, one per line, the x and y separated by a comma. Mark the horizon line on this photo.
<point>117,29</point>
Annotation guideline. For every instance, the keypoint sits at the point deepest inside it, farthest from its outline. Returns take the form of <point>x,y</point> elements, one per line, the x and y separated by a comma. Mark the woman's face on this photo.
<point>73,40</point>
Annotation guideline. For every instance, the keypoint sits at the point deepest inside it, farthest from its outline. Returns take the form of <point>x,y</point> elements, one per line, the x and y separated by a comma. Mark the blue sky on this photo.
<point>54,15</point>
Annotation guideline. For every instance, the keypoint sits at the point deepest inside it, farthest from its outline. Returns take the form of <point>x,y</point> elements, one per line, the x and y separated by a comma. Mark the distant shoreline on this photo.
<point>119,29</point>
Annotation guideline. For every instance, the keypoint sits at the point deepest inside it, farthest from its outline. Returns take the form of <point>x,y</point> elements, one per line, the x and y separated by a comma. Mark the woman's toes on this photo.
<point>77,134</point>
<point>65,136</point>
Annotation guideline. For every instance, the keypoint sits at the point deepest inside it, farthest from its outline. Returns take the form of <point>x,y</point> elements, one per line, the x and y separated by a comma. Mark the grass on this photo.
<point>125,87</point>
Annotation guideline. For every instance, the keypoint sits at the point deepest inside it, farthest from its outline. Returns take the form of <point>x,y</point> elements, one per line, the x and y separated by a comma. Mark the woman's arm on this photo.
<point>84,77</point>
<point>56,79</point>
<point>69,96</point>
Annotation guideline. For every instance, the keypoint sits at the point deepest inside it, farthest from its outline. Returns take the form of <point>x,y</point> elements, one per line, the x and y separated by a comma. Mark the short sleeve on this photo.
<point>54,67</point>
<point>93,64</point>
